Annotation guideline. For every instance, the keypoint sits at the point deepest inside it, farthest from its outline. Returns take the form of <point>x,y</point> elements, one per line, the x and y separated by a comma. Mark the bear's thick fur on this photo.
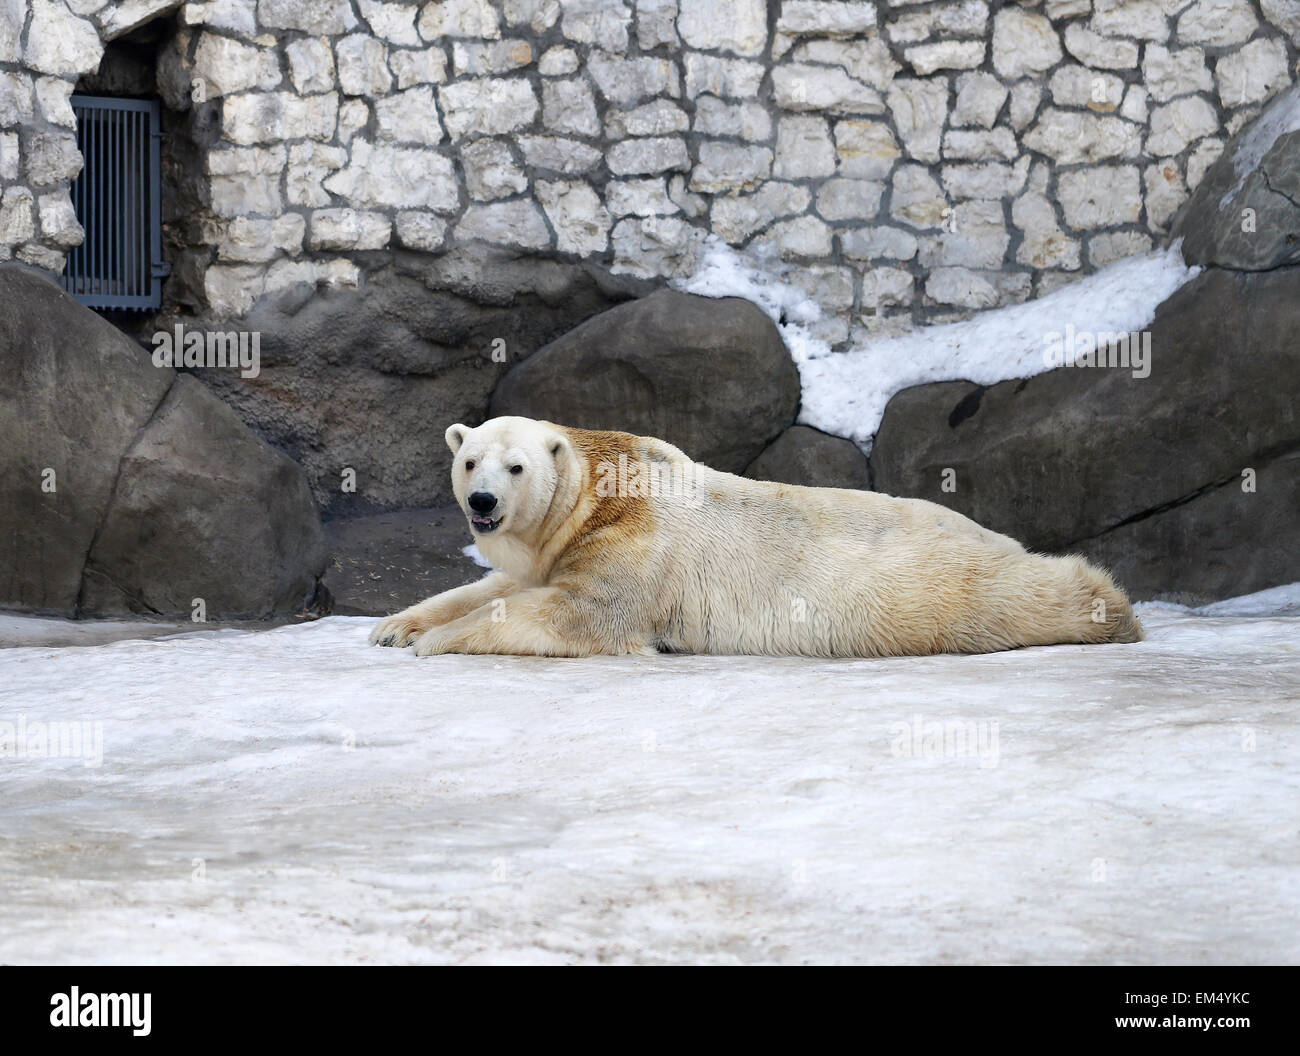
<point>609,543</point>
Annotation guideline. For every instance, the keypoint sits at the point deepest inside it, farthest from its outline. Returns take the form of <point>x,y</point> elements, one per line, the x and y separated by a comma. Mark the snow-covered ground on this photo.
<point>295,795</point>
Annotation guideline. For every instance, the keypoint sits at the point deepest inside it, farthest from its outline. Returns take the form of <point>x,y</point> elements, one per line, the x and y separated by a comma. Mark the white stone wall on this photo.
<point>911,160</point>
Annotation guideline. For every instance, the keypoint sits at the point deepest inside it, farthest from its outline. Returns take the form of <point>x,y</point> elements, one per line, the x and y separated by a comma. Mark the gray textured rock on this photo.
<point>567,156</point>
<point>398,177</point>
<point>130,488</point>
<point>713,117</point>
<point>487,106</point>
<point>926,59</point>
<point>1058,462</point>
<point>813,459</point>
<point>393,22</point>
<point>803,148</point>
<point>1024,43</point>
<point>1219,23</point>
<point>1142,19</point>
<point>711,376</point>
<point>369,379</point>
<point>961,288</point>
<point>408,117</point>
<point>1073,136</point>
<point>52,157</point>
<point>59,42</point>
<point>568,106</point>
<point>17,219</point>
<point>727,166</point>
<point>203,508</point>
<point>624,81</point>
<point>735,218</point>
<point>311,64</point>
<point>490,170</point>
<point>638,198</point>
<point>867,60</point>
<point>803,237</point>
<point>1097,51</point>
<point>1178,124</point>
<point>917,198</point>
<point>516,223</point>
<point>920,109</point>
<point>423,66</point>
<point>806,87</point>
<point>225,66</point>
<point>600,22</point>
<point>737,26</point>
<point>482,58</point>
<point>874,243</point>
<point>656,246</point>
<point>849,199</point>
<point>310,16</point>
<point>1244,212</point>
<point>1165,192</point>
<point>975,237</point>
<point>980,97</point>
<point>731,78</point>
<point>1219,544</point>
<point>637,157</point>
<point>656,118</point>
<point>1104,196</point>
<point>865,149</point>
<point>580,222</point>
<point>887,288</point>
<point>1173,73</point>
<point>362,63</point>
<point>1253,74</point>
<point>459,18</point>
<point>270,117</point>
<point>656,23</point>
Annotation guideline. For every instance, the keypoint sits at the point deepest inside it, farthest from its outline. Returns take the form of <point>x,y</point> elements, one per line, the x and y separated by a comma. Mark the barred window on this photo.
<point>117,200</point>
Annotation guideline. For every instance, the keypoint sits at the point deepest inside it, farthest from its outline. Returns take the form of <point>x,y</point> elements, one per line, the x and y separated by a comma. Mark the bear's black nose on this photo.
<point>482,501</point>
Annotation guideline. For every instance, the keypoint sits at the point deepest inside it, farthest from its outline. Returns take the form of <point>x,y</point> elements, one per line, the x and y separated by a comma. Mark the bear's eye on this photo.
<point>516,470</point>
<point>469,466</point>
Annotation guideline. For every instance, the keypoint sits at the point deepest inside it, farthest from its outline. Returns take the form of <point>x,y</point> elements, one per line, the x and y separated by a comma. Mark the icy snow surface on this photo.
<point>845,393</point>
<point>295,795</point>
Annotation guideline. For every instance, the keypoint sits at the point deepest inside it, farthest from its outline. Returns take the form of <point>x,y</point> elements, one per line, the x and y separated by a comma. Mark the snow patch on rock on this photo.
<point>845,393</point>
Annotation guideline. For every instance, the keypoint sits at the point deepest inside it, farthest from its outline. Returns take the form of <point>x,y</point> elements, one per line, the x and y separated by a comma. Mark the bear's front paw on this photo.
<point>433,642</point>
<point>398,631</point>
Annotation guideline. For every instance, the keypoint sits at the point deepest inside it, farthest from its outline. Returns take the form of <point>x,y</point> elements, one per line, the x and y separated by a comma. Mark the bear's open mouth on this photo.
<point>485,524</point>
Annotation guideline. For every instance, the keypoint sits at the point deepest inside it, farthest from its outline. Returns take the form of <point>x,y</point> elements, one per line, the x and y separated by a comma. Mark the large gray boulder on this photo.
<point>1245,212</point>
<point>711,376</point>
<point>130,488</point>
<point>806,456</point>
<point>1145,474</point>
<point>368,379</point>
<point>1221,542</point>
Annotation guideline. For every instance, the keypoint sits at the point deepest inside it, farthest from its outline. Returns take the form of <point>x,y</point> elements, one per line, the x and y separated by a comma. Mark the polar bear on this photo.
<point>609,543</point>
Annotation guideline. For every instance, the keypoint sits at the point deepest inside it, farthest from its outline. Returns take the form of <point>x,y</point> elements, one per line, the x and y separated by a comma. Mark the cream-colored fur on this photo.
<point>714,563</point>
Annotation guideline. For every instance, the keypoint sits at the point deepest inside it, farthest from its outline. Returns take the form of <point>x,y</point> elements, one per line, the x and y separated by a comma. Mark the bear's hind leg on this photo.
<point>1110,614</point>
<point>1050,600</point>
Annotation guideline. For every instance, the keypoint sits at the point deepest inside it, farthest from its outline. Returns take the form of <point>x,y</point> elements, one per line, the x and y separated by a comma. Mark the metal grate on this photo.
<point>117,198</point>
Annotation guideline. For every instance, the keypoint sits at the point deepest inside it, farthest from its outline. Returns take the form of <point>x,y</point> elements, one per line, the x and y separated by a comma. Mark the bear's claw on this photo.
<point>395,633</point>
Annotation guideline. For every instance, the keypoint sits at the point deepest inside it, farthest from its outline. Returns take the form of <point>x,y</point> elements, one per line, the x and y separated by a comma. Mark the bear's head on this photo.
<point>506,475</point>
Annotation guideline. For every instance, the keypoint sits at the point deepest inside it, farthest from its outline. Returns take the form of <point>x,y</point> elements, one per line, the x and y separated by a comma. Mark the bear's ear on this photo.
<point>455,436</point>
<point>557,444</point>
